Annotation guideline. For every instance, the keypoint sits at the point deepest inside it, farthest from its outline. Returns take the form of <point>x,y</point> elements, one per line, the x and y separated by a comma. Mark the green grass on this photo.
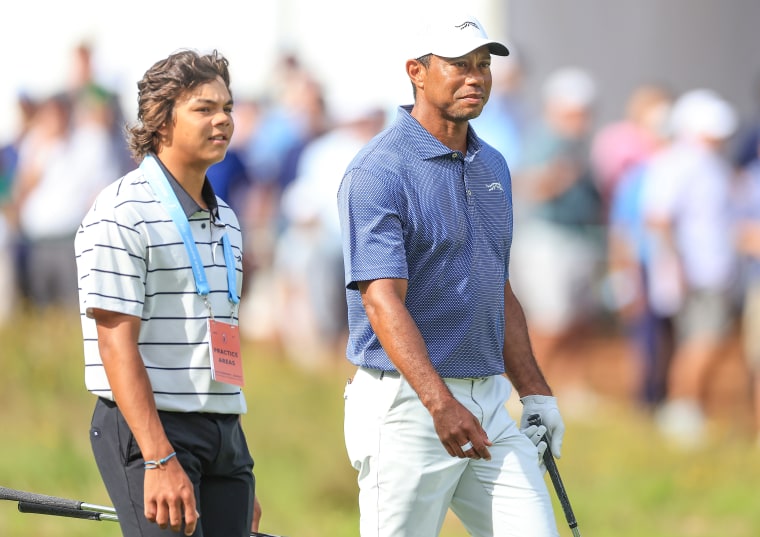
<point>622,478</point>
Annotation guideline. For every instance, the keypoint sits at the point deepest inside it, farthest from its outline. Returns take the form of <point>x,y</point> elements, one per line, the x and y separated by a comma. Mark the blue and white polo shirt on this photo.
<point>131,259</point>
<point>412,208</point>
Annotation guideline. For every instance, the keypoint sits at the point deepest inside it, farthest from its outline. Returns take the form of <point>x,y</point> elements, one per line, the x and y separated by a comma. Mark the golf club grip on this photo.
<point>43,499</point>
<point>42,509</point>
<point>559,487</point>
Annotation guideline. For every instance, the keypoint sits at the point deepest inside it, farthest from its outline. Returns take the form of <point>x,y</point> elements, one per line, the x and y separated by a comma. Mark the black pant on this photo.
<point>213,452</point>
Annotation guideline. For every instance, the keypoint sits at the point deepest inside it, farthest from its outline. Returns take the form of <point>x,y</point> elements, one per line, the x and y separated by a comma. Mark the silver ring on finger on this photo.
<point>467,446</point>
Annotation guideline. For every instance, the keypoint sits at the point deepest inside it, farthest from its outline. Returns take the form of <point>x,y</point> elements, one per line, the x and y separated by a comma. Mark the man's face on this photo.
<point>459,87</point>
<point>202,125</point>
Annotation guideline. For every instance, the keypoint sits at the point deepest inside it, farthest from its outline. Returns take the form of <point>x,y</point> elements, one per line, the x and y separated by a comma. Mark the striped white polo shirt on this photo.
<point>131,259</point>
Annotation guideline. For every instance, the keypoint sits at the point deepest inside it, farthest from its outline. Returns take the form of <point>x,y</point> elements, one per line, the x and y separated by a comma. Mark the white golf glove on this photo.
<point>537,433</point>
<point>546,407</point>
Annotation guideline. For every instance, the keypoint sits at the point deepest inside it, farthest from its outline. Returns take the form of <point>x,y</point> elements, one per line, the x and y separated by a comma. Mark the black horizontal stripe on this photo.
<point>180,293</point>
<point>135,201</point>
<point>198,368</point>
<point>123,274</point>
<point>117,224</point>
<point>171,343</point>
<point>119,298</point>
<point>195,394</point>
<point>117,248</point>
<point>192,318</point>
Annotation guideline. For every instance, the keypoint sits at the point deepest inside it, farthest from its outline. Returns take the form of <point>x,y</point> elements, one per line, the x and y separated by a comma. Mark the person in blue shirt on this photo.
<point>426,220</point>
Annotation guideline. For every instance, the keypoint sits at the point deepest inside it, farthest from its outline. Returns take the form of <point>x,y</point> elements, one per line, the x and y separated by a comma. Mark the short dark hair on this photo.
<point>160,88</point>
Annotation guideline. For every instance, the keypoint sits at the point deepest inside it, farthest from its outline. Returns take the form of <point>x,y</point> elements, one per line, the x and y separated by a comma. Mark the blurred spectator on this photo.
<point>556,257</point>
<point>502,123</point>
<point>619,146</point>
<point>83,85</point>
<point>230,179</point>
<point>628,243</point>
<point>747,198</point>
<point>747,138</point>
<point>308,265</point>
<point>292,115</point>
<point>687,204</point>
<point>8,165</point>
<point>288,119</point>
<point>42,144</point>
<point>66,158</point>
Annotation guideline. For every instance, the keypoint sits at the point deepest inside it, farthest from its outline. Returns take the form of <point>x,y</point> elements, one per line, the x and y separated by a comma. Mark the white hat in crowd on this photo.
<point>702,112</point>
<point>570,86</point>
<point>452,36</point>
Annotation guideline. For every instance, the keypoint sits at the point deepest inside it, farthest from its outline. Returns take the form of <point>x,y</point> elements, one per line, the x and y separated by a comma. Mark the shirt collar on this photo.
<point>425,143</point>
<point>188,204</point>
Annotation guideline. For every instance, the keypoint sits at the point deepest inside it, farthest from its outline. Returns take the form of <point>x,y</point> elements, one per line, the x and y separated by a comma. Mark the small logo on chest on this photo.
<point>494,186</point>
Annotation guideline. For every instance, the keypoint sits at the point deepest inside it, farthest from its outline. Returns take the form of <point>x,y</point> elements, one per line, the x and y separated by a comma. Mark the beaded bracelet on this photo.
<point>152,465</point>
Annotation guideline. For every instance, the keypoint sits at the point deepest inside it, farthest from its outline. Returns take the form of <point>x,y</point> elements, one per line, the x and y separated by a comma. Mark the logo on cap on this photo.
<point>467,24</point>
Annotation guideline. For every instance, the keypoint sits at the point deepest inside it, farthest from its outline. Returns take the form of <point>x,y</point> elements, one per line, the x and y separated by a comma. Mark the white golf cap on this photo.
<point>452,36</point>
<point>702,112</point>
<point>570,86</point>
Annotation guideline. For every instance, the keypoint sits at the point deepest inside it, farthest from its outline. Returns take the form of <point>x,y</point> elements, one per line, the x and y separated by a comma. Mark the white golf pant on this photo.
<point>407,480</point>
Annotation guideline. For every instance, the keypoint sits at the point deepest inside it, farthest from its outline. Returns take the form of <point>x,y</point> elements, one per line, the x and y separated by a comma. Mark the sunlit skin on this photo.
<point>450,92</point>
<point>198,136</point>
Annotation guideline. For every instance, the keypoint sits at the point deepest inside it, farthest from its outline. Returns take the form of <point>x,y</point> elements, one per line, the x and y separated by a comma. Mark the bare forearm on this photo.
<point>403,342</point>
<point>519,361</point>
<point>133,393</point>
<point>131,386</point>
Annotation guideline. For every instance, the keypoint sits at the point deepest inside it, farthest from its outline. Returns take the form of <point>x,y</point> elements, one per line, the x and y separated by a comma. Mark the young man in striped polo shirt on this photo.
<point>159,258</point>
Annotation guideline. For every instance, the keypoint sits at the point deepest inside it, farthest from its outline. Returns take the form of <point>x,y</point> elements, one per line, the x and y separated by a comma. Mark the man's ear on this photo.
<point>164,134</point>
<point>416,72</point>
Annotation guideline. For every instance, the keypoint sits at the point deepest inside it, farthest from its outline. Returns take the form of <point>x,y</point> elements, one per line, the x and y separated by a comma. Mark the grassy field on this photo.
<point>623,479</point>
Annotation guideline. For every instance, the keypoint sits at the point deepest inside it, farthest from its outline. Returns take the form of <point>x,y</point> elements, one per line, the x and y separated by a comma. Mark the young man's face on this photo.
<point>459,87</point>
<point>202,125</point>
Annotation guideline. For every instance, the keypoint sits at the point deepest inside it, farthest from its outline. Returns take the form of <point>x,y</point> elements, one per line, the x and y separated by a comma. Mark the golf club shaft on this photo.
<point>559,486</point>
<point>42,504</point>
<point>42,509</point>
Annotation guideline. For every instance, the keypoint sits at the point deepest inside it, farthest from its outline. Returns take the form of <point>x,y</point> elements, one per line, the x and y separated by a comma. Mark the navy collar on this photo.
<point>427,145</point>
<point>188,204</point>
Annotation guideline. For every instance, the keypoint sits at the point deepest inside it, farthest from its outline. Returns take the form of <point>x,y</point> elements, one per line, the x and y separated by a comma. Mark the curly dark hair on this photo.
<point>159,90</point>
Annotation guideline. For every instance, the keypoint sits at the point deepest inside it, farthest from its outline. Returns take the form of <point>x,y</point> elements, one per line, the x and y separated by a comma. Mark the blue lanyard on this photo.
<point>158,181</point>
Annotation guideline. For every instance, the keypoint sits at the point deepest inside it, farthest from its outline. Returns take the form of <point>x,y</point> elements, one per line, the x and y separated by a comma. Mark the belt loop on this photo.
<point>382,374</point>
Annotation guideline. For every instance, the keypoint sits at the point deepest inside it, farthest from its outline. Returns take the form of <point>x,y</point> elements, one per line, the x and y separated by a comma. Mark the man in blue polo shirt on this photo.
<point>426,216</point>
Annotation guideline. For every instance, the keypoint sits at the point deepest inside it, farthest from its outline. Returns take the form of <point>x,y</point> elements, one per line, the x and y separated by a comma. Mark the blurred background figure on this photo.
<point>747,138</point>
<point>622,152</point>
<point>693,270</point>
<point>72,148</point>
<point>621,145</point>
<point>8,248</point>
<point>285,119</point>
<point>43,148</point>
<point>503,122</point>
<point>747,199</point>
<point>557,254</point>
<point>86,92</point>
<point>308,263</point>
<point>68,156</point>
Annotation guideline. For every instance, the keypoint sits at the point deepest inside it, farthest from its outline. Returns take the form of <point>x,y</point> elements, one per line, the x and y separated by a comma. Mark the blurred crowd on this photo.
<point>648,225</point>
